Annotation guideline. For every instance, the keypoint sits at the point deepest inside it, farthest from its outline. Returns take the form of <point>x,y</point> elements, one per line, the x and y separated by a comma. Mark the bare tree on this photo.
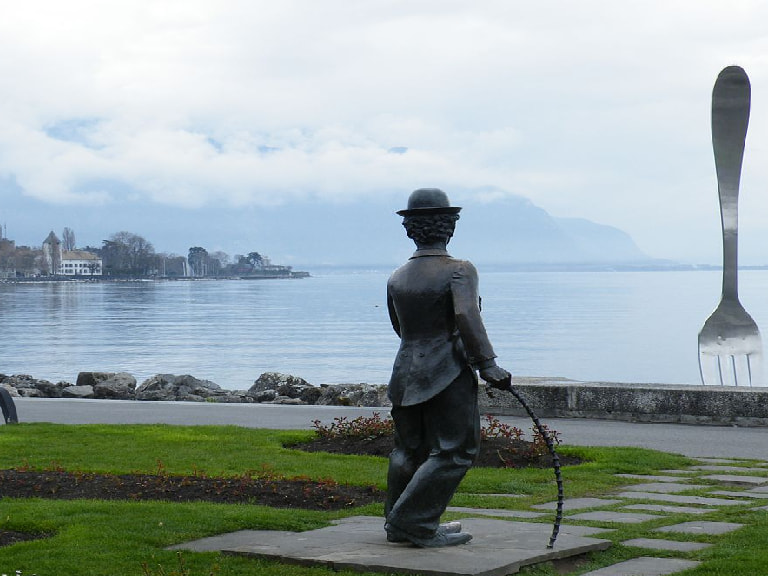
<point>68,239</point>
<point>222,257</point>
<point>128,254</point>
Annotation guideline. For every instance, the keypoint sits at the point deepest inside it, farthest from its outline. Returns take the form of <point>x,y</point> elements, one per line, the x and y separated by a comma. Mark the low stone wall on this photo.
<point>562,398</point>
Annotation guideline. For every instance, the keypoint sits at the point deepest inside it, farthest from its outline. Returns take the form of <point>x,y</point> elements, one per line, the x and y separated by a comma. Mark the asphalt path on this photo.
<point>695,441</point>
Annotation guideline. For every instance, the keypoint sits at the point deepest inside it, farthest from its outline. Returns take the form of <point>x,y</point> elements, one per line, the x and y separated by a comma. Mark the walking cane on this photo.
<point>555,459</point>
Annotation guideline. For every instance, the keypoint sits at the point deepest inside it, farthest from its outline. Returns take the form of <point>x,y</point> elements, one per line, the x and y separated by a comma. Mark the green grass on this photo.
<point>213,450</point>
<point>92,537</point>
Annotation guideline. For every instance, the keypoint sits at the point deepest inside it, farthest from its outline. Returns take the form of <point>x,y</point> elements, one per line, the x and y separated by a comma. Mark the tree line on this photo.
<point>125,254</point>
<point>129,254</point>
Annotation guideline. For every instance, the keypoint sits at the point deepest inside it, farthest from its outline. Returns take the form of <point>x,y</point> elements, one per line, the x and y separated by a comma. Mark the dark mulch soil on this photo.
<point>494,452</point>
<point>277,493</point>
<point>8,537</point>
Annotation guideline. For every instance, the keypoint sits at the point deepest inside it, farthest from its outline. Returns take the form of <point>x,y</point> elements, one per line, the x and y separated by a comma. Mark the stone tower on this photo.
<point>52,254</point>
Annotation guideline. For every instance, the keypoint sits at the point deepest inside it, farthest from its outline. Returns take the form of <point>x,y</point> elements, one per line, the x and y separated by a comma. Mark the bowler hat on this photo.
<point>428,201</point>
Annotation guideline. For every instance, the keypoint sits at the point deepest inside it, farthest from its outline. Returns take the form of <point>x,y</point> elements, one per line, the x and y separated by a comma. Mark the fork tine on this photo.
<point>755,368</point>
<point>709,367</point>
<point>730,369</point>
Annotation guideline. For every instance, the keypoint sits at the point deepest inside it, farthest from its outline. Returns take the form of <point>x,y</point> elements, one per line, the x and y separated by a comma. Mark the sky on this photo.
<point>246,125</point>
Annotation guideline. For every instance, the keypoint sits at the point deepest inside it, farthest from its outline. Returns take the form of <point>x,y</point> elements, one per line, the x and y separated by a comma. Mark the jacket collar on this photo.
<point>430,252</point>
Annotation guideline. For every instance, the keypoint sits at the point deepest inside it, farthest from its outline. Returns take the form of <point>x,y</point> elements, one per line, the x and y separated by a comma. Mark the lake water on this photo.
<point>334,328</point>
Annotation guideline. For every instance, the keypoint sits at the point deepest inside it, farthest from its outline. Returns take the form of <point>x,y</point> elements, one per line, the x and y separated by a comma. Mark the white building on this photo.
<point>80,263</point>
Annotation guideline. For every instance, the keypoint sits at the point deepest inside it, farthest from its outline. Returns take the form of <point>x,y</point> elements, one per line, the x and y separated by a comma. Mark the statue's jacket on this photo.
<point>434,307</point>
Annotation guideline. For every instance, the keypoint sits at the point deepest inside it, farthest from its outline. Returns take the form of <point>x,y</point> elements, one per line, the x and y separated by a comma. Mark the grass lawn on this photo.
<point>94,537</point>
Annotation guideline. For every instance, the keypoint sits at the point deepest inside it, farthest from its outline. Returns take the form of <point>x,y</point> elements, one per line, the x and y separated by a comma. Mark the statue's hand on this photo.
<point>497,377</point>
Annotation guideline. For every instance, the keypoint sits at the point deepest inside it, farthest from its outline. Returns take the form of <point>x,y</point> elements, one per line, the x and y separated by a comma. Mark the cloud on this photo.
<point>595,109</point>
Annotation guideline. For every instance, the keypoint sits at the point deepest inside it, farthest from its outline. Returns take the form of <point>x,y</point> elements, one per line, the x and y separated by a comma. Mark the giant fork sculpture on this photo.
<point>730,348</point>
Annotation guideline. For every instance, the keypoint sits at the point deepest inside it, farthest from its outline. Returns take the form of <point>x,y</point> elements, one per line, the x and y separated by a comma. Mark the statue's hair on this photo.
<point>430,228</point>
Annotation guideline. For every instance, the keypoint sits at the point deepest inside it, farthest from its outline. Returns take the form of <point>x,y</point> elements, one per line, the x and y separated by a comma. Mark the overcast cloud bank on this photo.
<point>191,115</point>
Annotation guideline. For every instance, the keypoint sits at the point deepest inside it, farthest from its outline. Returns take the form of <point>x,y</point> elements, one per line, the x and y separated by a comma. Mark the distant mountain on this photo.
<point>509,230</point>
<point>516,231</point>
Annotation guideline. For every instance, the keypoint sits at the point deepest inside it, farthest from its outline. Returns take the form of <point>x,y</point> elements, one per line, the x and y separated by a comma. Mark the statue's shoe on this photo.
<point>446,527</point>
<point>448,534</point>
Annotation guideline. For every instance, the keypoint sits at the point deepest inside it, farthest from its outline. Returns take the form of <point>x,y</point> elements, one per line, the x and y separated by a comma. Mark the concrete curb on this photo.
<point>662,403</point>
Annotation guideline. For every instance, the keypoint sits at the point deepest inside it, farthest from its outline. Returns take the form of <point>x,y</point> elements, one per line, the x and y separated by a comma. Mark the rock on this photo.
<point>277,388</point>
<point>364,395</point>
<point>310,395</point>
<point>92,378</point>
<point>233,397</point>
<point>119,386</point>
<point>265,396</point>
<point>168,387</point>
<point>77,392</point>
<point>50,390</point>
<point>11,390</point>
<point>282,384</point>
<point>158,387</point>
<point>289,401</point>
<point>33,388</point>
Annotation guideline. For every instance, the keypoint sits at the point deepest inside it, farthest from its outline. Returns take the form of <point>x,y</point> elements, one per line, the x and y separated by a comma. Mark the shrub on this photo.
<point>370,428</point>
<point>360,427</point>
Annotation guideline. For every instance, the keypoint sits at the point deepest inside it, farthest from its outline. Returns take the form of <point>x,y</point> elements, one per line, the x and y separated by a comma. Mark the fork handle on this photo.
<point>730,118</point>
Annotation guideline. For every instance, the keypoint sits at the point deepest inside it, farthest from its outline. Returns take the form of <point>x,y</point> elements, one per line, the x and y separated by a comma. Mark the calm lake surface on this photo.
<point>334,328</point>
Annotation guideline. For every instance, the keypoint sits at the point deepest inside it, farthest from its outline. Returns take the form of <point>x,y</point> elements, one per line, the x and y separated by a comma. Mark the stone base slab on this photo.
<point>359,543</point>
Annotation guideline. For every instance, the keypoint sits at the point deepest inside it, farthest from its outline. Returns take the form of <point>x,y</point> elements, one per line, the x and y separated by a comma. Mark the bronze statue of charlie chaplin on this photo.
<point>434,307</point>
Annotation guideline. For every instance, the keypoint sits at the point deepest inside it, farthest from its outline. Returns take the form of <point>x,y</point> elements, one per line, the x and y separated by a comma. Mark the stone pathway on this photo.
<point>669,494</point>
<point>505,540</point>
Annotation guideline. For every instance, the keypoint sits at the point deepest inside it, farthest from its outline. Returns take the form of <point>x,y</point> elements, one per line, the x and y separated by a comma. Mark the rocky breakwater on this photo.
<point>269,388</point>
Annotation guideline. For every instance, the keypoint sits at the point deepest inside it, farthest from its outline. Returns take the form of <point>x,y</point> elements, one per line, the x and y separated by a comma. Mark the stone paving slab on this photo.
<point>680,472</point>
<point>498,512</point>
<point>672,545</point>
<point>737,480</point>
<point>581,530</point>
<point>670,509</point>
<point>741,493</point>
<point>498,495</point>
<point>701,527</point>
<point>759,489</point>
<point>577,504</point>
<point>678,499</point>
<point>618,517</point>
<point>651,477</point>
<point>665,487</point>
<point>359,543</point>
<point>707,468</point>
<point>645,566</point>
<point>239,538</point>
<point>732,461</point>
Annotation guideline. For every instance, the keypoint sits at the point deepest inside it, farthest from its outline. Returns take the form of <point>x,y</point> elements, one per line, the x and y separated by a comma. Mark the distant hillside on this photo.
<point>514,231</point>
<point>508,231</point>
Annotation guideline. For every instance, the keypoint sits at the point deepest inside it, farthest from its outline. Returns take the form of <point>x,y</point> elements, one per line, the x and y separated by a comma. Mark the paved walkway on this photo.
<point>694,441</point>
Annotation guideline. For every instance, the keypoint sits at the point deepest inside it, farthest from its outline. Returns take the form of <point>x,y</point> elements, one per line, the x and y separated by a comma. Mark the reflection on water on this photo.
<point>623,327</point>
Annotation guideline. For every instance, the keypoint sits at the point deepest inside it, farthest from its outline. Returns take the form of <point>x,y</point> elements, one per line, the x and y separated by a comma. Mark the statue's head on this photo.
<point>429,218</point>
